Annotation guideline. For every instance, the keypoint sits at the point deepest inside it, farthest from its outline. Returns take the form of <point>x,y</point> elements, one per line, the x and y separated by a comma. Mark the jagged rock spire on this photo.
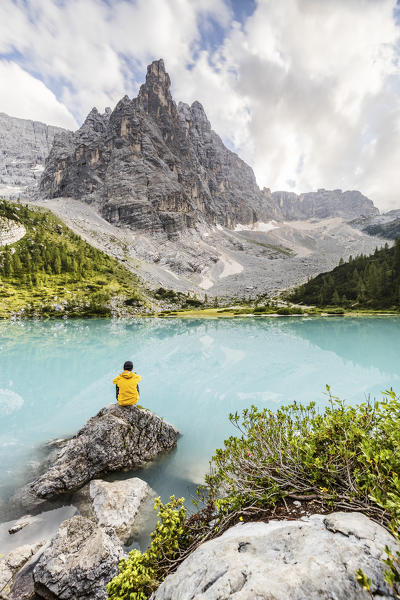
<point>155,93</point>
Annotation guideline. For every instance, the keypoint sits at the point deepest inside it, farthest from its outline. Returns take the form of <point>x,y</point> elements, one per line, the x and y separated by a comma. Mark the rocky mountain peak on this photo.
<point>319,205</point>
<point>160,168</point>
<point>153,166</point>
<point>95,122</point>
<point>155,93</point>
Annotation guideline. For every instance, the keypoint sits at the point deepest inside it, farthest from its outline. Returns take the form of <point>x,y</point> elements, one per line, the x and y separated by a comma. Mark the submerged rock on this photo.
<point>23,522</point>
<point>298,560</point>
<point>79,562</point>
<point>114,504</point>
<point>117,438</point>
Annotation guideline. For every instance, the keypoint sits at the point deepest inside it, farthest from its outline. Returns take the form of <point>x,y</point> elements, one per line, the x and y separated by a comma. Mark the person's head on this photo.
<point>128,365</point>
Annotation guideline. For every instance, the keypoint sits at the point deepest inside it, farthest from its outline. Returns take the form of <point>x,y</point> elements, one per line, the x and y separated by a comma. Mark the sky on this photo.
<point>306,91</point>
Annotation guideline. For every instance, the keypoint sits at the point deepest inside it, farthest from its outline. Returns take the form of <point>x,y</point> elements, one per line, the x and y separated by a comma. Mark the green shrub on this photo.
<point>134,301</point>
<point>345,458</point>
<point>168,295</point>
<point>141,573</point>
<point>193,303</point>
<point>262,309</point>
<point>289,310</point>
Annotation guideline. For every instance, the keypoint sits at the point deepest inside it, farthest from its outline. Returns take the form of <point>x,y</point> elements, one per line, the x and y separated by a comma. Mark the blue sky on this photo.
<point>306,91</point>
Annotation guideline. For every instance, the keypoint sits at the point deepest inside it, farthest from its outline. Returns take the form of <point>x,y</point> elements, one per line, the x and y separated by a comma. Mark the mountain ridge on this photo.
<point>24,146</point>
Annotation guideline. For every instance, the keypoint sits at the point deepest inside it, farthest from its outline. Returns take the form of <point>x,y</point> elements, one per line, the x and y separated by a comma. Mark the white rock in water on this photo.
<point>23,522</point>
<point>114,504</point>
<point>286,560</point>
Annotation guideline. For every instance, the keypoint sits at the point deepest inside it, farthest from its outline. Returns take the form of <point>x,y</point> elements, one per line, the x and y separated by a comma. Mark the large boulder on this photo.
<point>79,562</point>
<point>316,557</point>
<point>117,438</point>
<point>116,504</point>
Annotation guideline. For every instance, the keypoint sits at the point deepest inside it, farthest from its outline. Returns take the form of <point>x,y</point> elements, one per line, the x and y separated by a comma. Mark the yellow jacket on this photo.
<point>127,386</point>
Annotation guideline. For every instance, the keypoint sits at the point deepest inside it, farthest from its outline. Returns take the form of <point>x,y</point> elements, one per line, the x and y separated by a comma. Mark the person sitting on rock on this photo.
<point>127,391</point>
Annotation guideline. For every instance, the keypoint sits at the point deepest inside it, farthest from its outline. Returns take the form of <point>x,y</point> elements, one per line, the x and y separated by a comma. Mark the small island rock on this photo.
<point>79,562</point>
<point>117,438</point>
<point>316,557</point>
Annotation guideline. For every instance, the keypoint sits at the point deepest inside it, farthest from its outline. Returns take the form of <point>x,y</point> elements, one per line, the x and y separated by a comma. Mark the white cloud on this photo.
<point>307,92</point>
<point>21,95</point>
<point>87,49</point>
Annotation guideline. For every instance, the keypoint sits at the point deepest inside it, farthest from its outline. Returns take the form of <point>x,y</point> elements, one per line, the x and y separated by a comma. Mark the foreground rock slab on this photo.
<point>11,563</point>
<point>298,560</point>
<point>117,438</point>
<point>114,504</point>
<point>79,562</point>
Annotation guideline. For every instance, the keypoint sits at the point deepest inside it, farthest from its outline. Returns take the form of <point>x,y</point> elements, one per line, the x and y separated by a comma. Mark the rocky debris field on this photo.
<point>221,262</point>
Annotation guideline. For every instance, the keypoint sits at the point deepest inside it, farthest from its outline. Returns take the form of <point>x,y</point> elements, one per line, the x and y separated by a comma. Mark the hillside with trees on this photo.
<point>53,272</point>
<point>362,282</point>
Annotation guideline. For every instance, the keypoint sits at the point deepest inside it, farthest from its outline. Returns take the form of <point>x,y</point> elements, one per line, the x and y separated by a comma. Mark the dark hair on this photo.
<point>128,365</point>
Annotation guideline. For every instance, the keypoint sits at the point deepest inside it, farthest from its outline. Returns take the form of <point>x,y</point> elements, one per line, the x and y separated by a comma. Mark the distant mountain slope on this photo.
<point>386,225</point>
<point>46,269</point>
<point>321,204</point>
<point>24,146</point>
<point>390,230</point>
<point>366,281</point>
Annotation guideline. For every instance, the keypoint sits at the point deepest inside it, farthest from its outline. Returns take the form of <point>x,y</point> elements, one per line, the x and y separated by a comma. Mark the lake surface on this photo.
<point>54,375</point>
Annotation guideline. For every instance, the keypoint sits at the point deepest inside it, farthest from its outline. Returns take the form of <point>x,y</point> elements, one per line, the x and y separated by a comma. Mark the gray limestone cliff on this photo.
<point>154,165</point>
<point>288,206</point>
<point>24,146</point>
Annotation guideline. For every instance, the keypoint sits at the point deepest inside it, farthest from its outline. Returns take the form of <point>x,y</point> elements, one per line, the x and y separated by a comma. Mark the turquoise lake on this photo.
<point>54,375</point>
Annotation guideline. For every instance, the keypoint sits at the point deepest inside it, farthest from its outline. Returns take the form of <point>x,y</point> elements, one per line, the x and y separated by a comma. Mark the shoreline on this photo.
<point>201,314</point>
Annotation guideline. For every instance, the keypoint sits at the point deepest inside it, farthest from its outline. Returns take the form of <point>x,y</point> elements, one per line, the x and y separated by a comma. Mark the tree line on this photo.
<point>364,281</point>
<point>49,248</point>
